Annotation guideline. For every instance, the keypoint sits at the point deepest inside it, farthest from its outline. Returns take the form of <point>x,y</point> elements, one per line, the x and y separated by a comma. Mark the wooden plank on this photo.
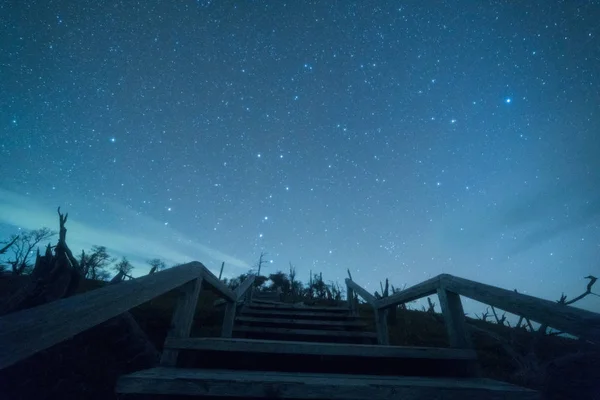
<point>454,319</point>
<point>228,319</point>
<point>294,314</point>
<point>415,292</point>
<point>368,297</point>
<point>300,321</point>
<point>183,317</point>
<point>29,331</point>
<point>305,332</point>
<point>568,319</point>
<point>299,308</point>
<point>320,349</point>
<point>350,299</point>
<point>281,385</point>
<point>241,290</point>
<point>257,300</point>
<point>221,288</point>
<point>382,326</point>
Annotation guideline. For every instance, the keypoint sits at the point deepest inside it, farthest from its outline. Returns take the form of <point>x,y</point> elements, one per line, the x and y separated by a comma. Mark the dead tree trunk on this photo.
<point>54,276</point>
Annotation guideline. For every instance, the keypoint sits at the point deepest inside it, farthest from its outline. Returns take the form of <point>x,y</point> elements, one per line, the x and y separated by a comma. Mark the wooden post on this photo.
<point>228,319</point>
<point>221,271</point>
<point>183,316</point>
<point>350,298</point>
<point>382,327</point>
<point>454,318</point>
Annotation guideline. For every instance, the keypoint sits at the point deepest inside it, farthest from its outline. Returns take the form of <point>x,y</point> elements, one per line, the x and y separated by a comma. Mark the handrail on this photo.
<point>27,332</point>
<point>420,290</point>
<point>582,323</point>
<point>368,297</point>
<point>449,288</point>
<point>380,314</point>
<point>240,291</point>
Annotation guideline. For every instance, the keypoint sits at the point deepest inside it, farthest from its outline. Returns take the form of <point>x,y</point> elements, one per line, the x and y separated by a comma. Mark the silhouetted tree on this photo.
<point>94,265</point>
<point>22,248</point>
<point>123,266</point>
<point>156,265</point>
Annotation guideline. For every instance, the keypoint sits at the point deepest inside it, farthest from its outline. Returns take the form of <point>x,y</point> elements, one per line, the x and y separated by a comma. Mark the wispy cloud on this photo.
<point>133,234</point>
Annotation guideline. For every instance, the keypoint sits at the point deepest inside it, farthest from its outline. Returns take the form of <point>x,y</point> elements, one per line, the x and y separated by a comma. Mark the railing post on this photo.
<point>183,317</point>
<point>454,318</point>
<point>228,319</point>
<point>382,326</point>
<point>350,298</point>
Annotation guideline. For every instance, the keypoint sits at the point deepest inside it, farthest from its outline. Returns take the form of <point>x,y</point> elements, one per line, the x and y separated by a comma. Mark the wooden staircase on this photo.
<point>265,319</point>
<point>301,352</point>
<point>272,350</point>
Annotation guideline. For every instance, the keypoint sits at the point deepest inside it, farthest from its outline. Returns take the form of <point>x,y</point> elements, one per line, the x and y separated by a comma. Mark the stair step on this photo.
<point>305,332</point>
<point>303,314</point>
<point>281,322</point>
<point>282,385</point>
<point>315,357</point>
<point>267,302</point>
<point>324,335</point>
<point>298,308</point>
<point>320,349</point>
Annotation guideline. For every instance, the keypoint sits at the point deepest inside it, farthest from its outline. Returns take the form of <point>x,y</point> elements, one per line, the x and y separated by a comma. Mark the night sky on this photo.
<point>396,139</point>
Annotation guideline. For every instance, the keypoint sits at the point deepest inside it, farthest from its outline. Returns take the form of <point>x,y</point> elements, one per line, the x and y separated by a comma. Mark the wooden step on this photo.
<point>315,357</point>
<point>281,385</point>
<point>298,308</point>
<point>318,349</point>
<point>278,313</point>
<point>274,333</point>
<point>305,332</point>
<point>281,322</point>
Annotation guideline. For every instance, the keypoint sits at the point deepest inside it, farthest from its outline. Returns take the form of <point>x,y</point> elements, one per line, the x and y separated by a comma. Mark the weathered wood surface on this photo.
<point>415,292</point>
<point>240,291</point>
<point>368,297</point>
<point>183,317</point>
<point>263,384</point>
<point>568,319</point>
<point>228,320</point>
<point>211,280</point>
<point>301,321</point>
<point>26,332</point>
<point>302,315</point>
<point>265,301</point>
<point>382,326</point>
<point>350,299</point>
<point>321,349</point>
<point>454,319</point>
<point>298,308</point>
<point>304,332</point>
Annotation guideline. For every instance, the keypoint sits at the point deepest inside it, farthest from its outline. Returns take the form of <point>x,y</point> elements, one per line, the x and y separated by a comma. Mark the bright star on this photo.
<point>508,100</point>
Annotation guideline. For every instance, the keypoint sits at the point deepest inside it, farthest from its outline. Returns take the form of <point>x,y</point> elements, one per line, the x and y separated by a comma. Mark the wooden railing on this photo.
<point>581,323</point>
<point>27,332</point>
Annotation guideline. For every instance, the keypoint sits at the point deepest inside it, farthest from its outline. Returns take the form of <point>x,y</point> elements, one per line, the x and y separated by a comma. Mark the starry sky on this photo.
<point>399,139</point>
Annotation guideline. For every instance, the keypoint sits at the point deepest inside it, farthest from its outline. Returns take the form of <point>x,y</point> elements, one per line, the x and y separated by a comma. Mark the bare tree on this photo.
<point>94,265</point>
<point>5,248</point>
<point>156,265</point>
<point>123,269</point>
<point>261,261</point>
<point>22,248</point>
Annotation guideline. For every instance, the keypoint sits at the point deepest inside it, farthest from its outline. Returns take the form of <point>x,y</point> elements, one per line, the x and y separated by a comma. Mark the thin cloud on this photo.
<point>142,238</point>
